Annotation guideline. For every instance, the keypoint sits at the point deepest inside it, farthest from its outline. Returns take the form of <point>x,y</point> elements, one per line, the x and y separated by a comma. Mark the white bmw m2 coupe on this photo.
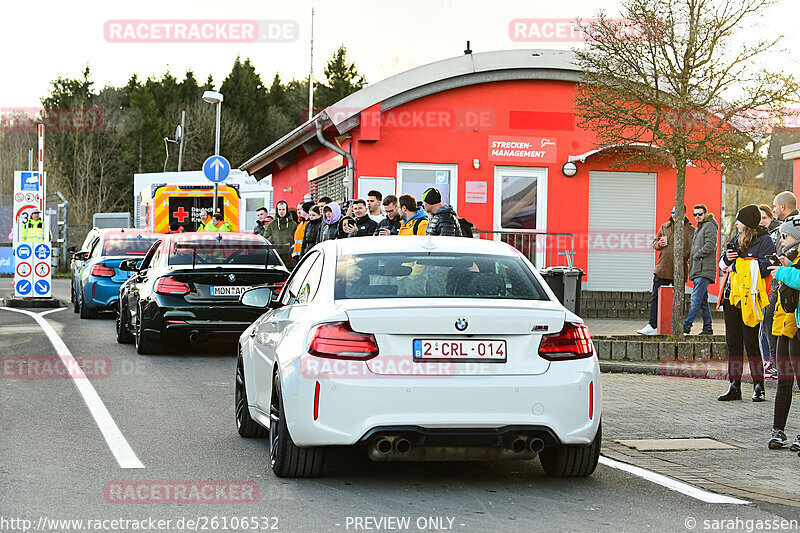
<point>418,349</point>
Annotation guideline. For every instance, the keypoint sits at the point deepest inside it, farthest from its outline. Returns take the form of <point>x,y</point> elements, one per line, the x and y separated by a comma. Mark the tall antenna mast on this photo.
<point>311,71</point>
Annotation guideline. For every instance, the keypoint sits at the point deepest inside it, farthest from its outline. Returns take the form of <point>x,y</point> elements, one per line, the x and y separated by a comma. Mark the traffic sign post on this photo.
<point>216,169</point>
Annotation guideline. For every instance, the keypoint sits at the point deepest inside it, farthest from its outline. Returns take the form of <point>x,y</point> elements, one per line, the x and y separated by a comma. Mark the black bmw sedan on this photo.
<point>188,285</point>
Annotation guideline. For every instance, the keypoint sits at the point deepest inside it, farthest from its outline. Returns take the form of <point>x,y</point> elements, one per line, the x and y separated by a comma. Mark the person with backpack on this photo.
<point>784,327</point>
<point>415,221</point>
<point>444,220</point>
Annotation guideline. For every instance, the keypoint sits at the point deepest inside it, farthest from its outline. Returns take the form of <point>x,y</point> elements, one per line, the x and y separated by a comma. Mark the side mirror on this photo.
<point>260,297</point>
<point>129,265</point>
<point>81,256</point>
<point>72,249</point>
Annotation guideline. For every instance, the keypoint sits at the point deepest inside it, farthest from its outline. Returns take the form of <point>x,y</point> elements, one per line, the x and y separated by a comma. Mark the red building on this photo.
<point>493,132</point>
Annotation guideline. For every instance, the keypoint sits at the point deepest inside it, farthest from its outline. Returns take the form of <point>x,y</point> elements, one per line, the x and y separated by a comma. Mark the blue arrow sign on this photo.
<point>23,287</point>
<point>42,287</point>
<point>216,168</point>
<point>24,251</point>
<point>42,251</point>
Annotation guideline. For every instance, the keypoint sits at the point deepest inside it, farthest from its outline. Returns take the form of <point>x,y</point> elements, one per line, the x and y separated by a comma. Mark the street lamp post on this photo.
<point>213,97</point>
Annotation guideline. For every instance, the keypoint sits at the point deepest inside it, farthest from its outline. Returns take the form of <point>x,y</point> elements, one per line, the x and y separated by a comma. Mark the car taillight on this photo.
<point>338,340</point>
<point>170,286</point>
<point>102,271</point>
<point>572,342</point>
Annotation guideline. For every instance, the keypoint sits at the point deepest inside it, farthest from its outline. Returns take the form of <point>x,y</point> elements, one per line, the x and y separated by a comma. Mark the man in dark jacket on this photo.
<point>261,221</point>
<point>311,234</point>
<point>363,225</point>
<point>664,271</point>
<point>702,268</point>
<point>444,220</point>
<point>391,223</point>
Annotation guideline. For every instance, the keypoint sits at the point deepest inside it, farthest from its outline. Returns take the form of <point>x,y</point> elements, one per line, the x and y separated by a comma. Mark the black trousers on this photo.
<point>739,337</point>
<point>787,361</point>
<point>657,284</point>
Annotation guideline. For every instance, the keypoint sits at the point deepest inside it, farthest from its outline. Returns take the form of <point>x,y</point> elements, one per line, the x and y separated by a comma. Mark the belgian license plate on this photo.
<point>228,291</point>
<point>459,350</point>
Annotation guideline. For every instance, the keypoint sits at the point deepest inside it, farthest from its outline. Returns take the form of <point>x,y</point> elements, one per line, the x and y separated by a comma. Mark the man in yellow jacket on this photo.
<point>415,221</point>
<point>206,221</point>
<point>33,230</point>
<point>218,224</point>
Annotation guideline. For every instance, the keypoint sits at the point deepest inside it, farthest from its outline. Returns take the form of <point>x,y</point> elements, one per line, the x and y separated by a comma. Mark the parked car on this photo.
<point>418,348</point>
<point>188,286</point>
<point>76,263</point>
<point>95,270</point>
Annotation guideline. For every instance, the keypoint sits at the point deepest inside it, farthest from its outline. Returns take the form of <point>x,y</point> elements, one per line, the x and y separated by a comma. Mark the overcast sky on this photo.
<point>46,39</point>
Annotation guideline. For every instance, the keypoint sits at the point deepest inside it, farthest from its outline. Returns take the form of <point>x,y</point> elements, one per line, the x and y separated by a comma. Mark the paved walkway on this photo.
<point>660,407</point>
<point>629,326</point>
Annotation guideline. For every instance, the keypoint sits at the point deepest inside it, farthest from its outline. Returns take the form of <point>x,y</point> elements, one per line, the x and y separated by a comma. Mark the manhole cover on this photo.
<point>672,445</point>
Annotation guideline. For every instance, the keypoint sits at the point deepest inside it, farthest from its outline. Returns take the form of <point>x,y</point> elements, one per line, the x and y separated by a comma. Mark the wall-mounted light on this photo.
<point>476,164</point>
<point>288,189</point>
<point>569,169</point>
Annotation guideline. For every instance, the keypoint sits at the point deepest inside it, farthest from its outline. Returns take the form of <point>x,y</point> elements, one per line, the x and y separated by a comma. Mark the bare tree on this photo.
<point>676,75</point>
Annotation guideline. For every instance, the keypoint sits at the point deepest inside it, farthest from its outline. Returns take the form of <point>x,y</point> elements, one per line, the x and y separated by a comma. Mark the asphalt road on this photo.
<point>176,413</point>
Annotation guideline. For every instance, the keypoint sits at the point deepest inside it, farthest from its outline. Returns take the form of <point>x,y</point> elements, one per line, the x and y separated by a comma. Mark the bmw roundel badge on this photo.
<point>461,324</point>
<point>231,277</point>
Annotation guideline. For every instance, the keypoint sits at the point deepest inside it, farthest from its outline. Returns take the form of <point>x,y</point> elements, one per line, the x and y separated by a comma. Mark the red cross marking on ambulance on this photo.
<point>180,214</point>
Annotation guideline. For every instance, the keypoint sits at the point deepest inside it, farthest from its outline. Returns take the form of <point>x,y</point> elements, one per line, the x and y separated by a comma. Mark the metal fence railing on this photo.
<point>542,248</point>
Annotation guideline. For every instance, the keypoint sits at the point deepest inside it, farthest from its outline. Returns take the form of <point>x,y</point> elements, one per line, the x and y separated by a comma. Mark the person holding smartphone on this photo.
<point>784,327</point>
<point>746,254</point>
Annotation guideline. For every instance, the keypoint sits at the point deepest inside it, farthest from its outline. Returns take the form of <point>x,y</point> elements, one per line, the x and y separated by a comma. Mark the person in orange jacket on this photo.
<point>303,212</point>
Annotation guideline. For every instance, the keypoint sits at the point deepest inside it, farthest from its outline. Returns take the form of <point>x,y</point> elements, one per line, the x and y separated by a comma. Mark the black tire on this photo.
<point>76,308</point>
<point>245,425</point>
<point>145,345</point>
<point>288,459</point>
<point>572,461</point>
<point>85,312</point>
<point>123,333</point>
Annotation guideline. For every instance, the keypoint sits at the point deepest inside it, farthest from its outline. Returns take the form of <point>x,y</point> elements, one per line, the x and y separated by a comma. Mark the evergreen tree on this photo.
<point>145,147</point>
<point>342,77</point>
<point>189,90</point>
<point>277,93</point>
<point>246,99</point>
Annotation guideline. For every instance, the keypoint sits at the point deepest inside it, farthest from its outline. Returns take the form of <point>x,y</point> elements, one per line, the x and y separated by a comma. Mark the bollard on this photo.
<point>664,326</point>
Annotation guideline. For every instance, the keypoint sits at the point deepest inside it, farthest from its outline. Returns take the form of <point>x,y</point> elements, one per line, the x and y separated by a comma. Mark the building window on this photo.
<point>331,184</point>
<point>414,178</point>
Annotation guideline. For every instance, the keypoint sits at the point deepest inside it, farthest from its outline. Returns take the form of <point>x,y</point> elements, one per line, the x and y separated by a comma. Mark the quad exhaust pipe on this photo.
<point>194,337</point>
<point>536,445</point>
<point>384,446</point>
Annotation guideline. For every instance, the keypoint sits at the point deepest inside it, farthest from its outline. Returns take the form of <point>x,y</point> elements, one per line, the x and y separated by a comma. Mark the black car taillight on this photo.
<point>337,340</point>
<point>168,285</point>
<point>572,342</point>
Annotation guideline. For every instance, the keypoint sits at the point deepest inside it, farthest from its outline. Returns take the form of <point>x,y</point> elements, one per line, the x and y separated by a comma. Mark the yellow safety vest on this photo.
<point>33,231</point>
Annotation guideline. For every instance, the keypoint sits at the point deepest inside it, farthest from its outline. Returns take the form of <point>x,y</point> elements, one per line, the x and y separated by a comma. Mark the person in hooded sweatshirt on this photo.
<point>280,233</point>
<point>444,220</point>
<point>311,233</point>
<point>330,228</point>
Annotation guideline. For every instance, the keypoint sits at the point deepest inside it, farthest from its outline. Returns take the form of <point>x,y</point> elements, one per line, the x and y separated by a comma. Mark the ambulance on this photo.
<point>164,204</point>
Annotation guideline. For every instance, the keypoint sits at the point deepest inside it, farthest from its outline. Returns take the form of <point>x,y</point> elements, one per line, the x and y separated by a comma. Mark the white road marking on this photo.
<point>116,441</point>
<point>672,484</point>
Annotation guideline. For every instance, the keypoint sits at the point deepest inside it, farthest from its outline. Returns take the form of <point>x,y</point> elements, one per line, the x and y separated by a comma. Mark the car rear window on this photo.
<point>133,245</point>
<point>232,252</point>
<point>435,276</point>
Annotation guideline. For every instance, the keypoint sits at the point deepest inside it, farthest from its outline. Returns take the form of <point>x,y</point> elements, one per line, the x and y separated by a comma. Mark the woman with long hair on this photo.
<point>745,299</point>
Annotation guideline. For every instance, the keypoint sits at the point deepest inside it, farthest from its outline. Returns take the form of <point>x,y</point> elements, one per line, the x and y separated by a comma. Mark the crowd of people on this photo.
<point>758,292</point>
<point>294,234</point>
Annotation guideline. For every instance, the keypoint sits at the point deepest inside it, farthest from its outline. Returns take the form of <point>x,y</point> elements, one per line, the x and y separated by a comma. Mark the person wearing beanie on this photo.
<point>303,212</point>
<point>280,232</point>
<point>745,262</point>
<point>444,220</point>
<point>664,272</point>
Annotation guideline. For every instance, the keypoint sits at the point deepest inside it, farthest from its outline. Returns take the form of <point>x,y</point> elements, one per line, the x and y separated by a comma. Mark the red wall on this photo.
<point>434,129</point>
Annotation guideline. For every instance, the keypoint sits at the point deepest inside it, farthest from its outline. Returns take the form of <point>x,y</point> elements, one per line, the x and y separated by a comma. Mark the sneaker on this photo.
<point>686,331</point>
<point>770,372</point>
<point>778,439</point>
<point>707,332</point>
<point>647,330</point>
<point>795,446</point>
